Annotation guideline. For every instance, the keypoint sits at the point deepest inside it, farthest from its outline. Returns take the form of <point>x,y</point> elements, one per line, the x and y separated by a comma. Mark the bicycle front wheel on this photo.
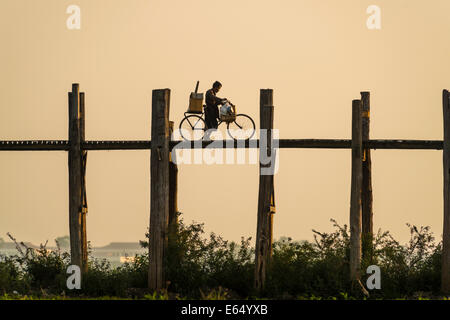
<point>242,128</point>
<point>192,127</point>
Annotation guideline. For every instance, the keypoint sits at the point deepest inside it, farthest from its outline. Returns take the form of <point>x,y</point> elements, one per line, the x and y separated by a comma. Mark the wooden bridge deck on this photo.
<point>63,145</point>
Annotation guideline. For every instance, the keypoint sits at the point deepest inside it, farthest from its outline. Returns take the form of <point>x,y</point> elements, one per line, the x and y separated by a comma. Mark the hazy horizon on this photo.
<point>316,55</point>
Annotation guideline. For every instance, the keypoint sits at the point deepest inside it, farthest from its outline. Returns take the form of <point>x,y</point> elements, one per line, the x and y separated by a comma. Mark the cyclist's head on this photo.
<point>216,86</point>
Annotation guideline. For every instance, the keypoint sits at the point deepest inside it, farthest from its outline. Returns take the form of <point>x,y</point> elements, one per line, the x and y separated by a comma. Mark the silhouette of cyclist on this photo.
<point>212,105</point>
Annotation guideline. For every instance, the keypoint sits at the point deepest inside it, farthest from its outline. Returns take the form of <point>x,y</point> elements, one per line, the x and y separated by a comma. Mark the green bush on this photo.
<point>10,276</point>
<point>414,267</point>
<point>102,280</point>
<point>319,268</point>
<point>42,268</point>
<point>33,269</point>
<point>322,268</point>
<point>213,268</point>
<point>196,264</point>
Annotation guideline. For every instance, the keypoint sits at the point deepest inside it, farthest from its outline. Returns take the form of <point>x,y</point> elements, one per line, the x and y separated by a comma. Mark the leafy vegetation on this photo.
<point>210,267</point>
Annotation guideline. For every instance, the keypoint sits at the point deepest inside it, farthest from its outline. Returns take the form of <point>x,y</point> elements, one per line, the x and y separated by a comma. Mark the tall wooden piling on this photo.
<point>75,178</point>
<point>266,207</point>
<point>84,208</point>
<point>159,188</point>
<point>445,284</point>
<point>366,189</point>
<point>173,185</point>
<point>355,200</point>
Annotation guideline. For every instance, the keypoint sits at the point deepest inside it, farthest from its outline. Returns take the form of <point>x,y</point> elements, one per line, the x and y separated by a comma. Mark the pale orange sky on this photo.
<point>317,55</point>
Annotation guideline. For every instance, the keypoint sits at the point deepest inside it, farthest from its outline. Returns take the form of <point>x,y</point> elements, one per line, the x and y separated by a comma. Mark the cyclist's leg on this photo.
<point>208,124</point>
<point>215,118</point>
<point>207,118</point>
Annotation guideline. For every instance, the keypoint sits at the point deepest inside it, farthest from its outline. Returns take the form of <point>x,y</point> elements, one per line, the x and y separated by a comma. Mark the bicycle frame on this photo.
<point>201,115</point>
<point>222,118</point>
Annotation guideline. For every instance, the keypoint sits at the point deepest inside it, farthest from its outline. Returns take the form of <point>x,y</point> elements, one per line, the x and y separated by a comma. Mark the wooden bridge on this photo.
<point>163,179</point>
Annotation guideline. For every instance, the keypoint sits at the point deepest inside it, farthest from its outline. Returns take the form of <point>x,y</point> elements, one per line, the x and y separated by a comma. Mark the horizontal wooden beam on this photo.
<point>117,145</point>
<point>315,143</point>
<point>35,145</point>
<point>63,145</point>
<point>404,144</point>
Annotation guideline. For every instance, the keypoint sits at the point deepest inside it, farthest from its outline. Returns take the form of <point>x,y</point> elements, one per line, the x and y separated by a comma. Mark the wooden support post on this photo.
<point>355,200</point>
<point>84,208</point>
<point>173,186</point>
<point>159,188</point>
<point>266,200</point>
<point>75,178</point>
<point>445,284</point>
<point>366,190</point>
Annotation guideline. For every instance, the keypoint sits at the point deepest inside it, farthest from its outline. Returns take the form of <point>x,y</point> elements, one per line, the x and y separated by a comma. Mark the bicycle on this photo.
<point>239,126</point>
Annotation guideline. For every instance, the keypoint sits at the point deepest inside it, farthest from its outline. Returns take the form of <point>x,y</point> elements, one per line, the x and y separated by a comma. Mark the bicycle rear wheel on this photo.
<point>192,127</point>
<point>242,128</point>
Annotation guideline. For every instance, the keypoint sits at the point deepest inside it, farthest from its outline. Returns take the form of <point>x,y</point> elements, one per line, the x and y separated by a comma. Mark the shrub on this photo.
<point>10,276</point>
<point>196,264</point>
<point>319,268</point>
<point>213,268</point>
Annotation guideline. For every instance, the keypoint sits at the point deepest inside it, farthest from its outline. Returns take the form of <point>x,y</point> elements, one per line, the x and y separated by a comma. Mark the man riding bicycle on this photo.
<point>212,105</point>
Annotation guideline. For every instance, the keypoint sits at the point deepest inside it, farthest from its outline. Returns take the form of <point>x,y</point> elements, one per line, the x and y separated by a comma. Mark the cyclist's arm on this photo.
<point>213,99</point>
<point>221,101</point>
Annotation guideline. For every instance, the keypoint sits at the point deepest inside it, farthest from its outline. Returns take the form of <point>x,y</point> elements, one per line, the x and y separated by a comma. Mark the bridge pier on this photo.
<point>266,197</point>
<point>159,188</point>
<point>77,182</point>
<point>445,282</point>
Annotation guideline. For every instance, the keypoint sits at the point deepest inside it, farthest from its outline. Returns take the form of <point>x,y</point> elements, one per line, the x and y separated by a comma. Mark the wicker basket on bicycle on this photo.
<point>229,117</point>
